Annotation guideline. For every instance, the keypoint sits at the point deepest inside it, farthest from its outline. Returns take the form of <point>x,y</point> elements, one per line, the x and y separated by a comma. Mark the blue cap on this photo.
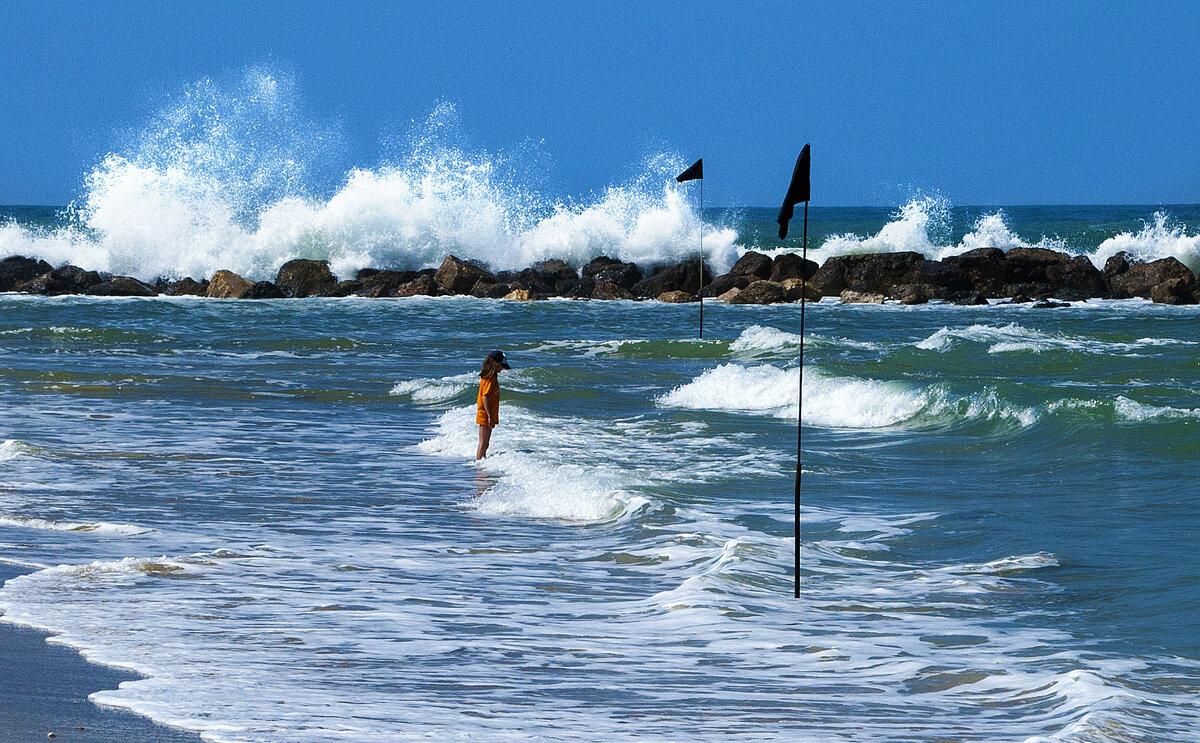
<point>499,356</point>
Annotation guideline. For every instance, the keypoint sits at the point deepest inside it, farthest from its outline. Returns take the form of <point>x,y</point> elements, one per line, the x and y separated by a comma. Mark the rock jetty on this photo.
<point>1045,277</point>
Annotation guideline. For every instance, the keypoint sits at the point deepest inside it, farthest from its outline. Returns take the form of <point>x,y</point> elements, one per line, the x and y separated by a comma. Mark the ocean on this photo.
<point>270,509</point>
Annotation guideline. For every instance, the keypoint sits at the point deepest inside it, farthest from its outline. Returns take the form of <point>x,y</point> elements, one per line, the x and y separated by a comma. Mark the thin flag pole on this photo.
<point>694,173</point>
<point>798,191</point>
<point>700,292</point>
<point>800,402</point>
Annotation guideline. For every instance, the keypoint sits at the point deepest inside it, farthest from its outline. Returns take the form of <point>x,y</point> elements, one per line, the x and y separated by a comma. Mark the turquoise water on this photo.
<point>270,509</point>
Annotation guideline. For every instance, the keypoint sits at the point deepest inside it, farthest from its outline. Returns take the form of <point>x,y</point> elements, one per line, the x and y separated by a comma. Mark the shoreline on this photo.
<point>45,688</point>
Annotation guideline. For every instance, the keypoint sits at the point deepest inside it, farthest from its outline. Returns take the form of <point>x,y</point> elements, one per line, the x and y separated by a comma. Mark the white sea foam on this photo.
<point>436,389</point>
<point>11,448</point>
<point>222,178</point>
<point>835,402</point>
<point>759,338</point>
<point>529,472</point>
<point>1017,338</point>
<point>1138,412</point>
<point>1162,239</point>
<point>95,527</point>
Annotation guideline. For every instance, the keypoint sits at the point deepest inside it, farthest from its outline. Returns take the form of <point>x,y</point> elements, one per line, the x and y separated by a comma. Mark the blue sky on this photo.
<point>984,103</point>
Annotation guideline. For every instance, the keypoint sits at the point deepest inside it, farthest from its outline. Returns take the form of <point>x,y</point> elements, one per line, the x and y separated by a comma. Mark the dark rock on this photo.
<point>1175,291</point>
<point>678,277</point>
<point>753,264</point>
<point>968,298</point>
<point>915,293</point>
<point>725,282</point>
<point>1071,295</point>
<point>556,274</point>
<point>1128,278</point>
<point>983,269</point>
<point>263,290</point>
<point>121,286</point>
<point>1047,304</point>
<point>763,291</point>
<point>382,283</point>
<point>228,285</point>
<point>186,286</point>
<point>486,290</point>
<point>363,273</point>
<point>874,273</point>
<point>18,268</point>
<point>677,297</point>
<point>1052,270</point>
<point>70,279</point>
<point>797,289</point>
<point>849,296</point>
<point>1020,299</point>
<point>423,285</point>
<point>581,289</point>
<point>1036,291</point>
<point>456,276</point>
<point>624,275</point>
<point>792,266</point>
<point>942,280</point>
<point>347,287</point>
<point>302,277</point>
<point>605,289</point>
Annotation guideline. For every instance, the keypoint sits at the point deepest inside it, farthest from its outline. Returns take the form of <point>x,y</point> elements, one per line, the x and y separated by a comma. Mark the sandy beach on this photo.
<point>44,689</point>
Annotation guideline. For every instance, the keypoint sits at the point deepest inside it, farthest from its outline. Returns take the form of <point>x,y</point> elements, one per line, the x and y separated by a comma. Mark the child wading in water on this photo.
<point>487,404</point>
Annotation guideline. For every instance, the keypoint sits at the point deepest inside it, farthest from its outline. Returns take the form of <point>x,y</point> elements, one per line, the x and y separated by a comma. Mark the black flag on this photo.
<point>692,173</point>
<point>797,193</point>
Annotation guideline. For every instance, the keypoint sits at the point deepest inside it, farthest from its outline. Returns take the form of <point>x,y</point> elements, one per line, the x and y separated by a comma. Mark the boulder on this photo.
<point>227,285</point>
<point>849,296</point>
<point>792,266</point>
<point>263,290</point>
<point>486,290</point>
<point>725,282</point>
<point>186,286</point>
<point>968,298</point>
<point>873,273</point>
<point>17,268</point>
<point>753,264</point>
<point>942,279</point>
<point>624,275</point>
<point>121,286</point>
<point>915,293</point>
<point>424,285</point>
<point>456,276</point>
<point>797,289</point>
<point>66,279</point>
<point>763,291</point>
<point>1132,278</point>
<point>1175,291</point>
<point>372,282</point>
<point>982,269</point>
<point>521,295</point>
<point>678,277</point>
<point>1047,304</point>
<point>677,297</point>
<point>302,277</point>
<point>556,274</point>
<point>730,295</point>
<point>606,289</point>
<point>1025,268</point>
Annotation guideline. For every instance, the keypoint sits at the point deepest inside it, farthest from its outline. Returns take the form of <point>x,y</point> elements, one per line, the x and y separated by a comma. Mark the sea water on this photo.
<point>271,510</point>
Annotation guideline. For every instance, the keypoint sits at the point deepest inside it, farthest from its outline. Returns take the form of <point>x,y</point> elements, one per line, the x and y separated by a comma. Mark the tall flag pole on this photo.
<point>694,173</point>
<point>798,190</point>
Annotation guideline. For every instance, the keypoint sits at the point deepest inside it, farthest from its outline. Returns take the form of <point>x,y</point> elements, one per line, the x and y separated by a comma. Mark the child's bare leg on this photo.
<point>485,438</point>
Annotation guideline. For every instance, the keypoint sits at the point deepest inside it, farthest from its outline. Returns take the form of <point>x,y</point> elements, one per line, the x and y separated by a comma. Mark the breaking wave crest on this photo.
<point>229,177</point>
<point>834,402</point>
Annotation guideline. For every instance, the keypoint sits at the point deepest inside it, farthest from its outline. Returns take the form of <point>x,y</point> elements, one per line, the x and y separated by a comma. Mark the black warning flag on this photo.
<point>693,173</point>
<point>797,193</point>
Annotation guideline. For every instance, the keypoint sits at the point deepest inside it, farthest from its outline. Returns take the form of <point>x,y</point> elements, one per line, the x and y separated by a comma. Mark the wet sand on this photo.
<point>44,689</point>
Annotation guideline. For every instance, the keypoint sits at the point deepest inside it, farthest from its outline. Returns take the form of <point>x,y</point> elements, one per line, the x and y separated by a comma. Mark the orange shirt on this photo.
<point>488,400</point>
